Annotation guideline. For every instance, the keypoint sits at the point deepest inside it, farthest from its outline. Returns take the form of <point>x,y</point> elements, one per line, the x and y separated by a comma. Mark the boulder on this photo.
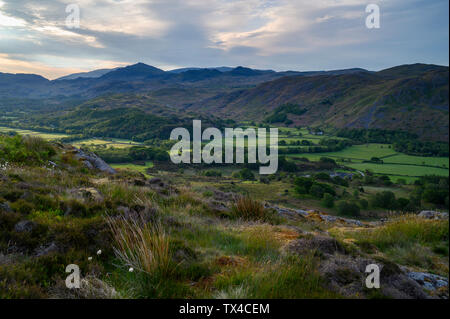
<point>88,193</point>
<point>5,207</point>
<point>323,244</point>
<point>24,226</point>
<point>429,214</point>
<point>92,161</point>
<point>429,281</point>
<point>46,249</point>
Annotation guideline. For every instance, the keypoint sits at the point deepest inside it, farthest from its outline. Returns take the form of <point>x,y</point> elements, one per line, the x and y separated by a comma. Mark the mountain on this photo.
<point>221,69</point>
<point>133,72</point>
<point>411,97</point>
<point>90,74</point>
<point>414,98</point>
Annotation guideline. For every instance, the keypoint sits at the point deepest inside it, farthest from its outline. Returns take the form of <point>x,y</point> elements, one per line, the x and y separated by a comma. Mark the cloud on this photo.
<point>277,34</point>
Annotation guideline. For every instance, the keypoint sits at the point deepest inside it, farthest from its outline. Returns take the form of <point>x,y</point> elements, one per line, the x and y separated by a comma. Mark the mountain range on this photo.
<point>412,98</point>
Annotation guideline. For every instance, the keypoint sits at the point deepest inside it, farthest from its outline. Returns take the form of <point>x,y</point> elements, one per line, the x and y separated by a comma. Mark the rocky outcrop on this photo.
<point>319,216</point>
<point>429,281</point>
<point>92,161</point>
<point>429,214</point>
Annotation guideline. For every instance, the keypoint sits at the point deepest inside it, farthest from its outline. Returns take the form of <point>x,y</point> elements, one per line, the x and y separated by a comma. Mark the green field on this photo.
<point>47,136</point>
<point>116,143</point>
<point>395,164</point>
<point>134,167</point>
<point>418,160</point>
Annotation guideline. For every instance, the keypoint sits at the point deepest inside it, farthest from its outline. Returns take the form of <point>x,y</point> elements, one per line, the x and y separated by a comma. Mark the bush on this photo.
<point>213,173</point>
<point>245,174</point>
<point>363,203</point>
<point>328,201</point>
<point>384,199</point>
<point>348,209</point>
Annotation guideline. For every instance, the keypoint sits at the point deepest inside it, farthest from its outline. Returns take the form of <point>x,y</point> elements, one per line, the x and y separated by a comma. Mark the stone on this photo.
<point>429,281</point>
<point>155,180</point>
<point>5,207</point>
<point>429,214</point>
<point>45,250</point>
<point>323,244</point>
<point>92,161</point>
<point>24,226</point>
<point>88,193</point>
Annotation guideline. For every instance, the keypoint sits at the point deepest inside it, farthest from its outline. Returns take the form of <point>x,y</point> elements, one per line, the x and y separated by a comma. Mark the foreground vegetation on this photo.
<point>186,235</point>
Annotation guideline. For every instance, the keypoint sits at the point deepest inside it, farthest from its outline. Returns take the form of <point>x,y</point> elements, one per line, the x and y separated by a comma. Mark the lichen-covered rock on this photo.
<point>24,226</point>
<point>87,193</point>
<point>92,161</point>
<point>429,214</point>
<point>5,207</point>
<point>347,275</point>
<point>429,281</point>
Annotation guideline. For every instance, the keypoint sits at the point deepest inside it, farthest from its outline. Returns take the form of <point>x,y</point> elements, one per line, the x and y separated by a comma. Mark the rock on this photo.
<point>429,281</point>
<point>346,275</point>
<point>429,214</point>
<point>24,226</point>
<point>45,250</point>
<point>139,182</point>
<point>323,244</point>
<point>92,161</point>
<point>301,212</point>
<point>155,180</point>
<point>88,193</point>
<point>5,207</point>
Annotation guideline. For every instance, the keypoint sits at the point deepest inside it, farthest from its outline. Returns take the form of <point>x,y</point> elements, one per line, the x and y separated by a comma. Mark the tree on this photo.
<point>328,200</point>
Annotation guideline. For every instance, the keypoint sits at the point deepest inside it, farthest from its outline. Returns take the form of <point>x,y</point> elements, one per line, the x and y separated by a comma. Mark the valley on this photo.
<point>363,178</point>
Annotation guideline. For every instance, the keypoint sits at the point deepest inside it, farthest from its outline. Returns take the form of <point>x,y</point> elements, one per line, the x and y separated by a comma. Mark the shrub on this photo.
<point>348,209</point>
<point>328,200</point>
<point>245,174</point>
<point>384,199</point>
<point>213,173</point>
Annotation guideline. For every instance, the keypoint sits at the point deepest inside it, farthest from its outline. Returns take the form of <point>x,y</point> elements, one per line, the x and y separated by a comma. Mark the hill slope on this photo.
<point>412,98</point>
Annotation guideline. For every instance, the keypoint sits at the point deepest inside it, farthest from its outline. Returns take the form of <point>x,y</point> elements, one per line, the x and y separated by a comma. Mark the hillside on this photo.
<point>413,98</point>
<point>160,237</point>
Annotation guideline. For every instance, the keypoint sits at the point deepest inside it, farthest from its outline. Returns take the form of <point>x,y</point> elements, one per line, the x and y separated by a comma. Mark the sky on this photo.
<point>301,35</point>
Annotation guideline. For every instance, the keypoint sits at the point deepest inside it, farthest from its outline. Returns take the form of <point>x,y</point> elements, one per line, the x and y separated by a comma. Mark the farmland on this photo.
<point>357,157</point>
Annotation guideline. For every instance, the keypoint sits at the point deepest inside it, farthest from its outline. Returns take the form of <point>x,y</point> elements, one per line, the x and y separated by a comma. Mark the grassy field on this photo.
<point>47,136</point>
<point>395,164</point>
<point>134,167</point>
<point>418,160</point>
<point>116,143</point>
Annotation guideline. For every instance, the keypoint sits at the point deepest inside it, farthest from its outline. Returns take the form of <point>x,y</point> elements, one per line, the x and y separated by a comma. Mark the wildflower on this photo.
<point>89,258</point>
<point>99,252</point>
<point>131,269</point>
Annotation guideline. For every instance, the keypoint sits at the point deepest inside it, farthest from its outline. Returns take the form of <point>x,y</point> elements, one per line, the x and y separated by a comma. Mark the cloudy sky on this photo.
<point>267,34</point>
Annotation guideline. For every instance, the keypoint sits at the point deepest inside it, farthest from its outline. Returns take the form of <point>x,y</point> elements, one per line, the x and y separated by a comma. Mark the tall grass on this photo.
<point>249,209</point>
<point>404,231</point>
<point>142,246</point>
